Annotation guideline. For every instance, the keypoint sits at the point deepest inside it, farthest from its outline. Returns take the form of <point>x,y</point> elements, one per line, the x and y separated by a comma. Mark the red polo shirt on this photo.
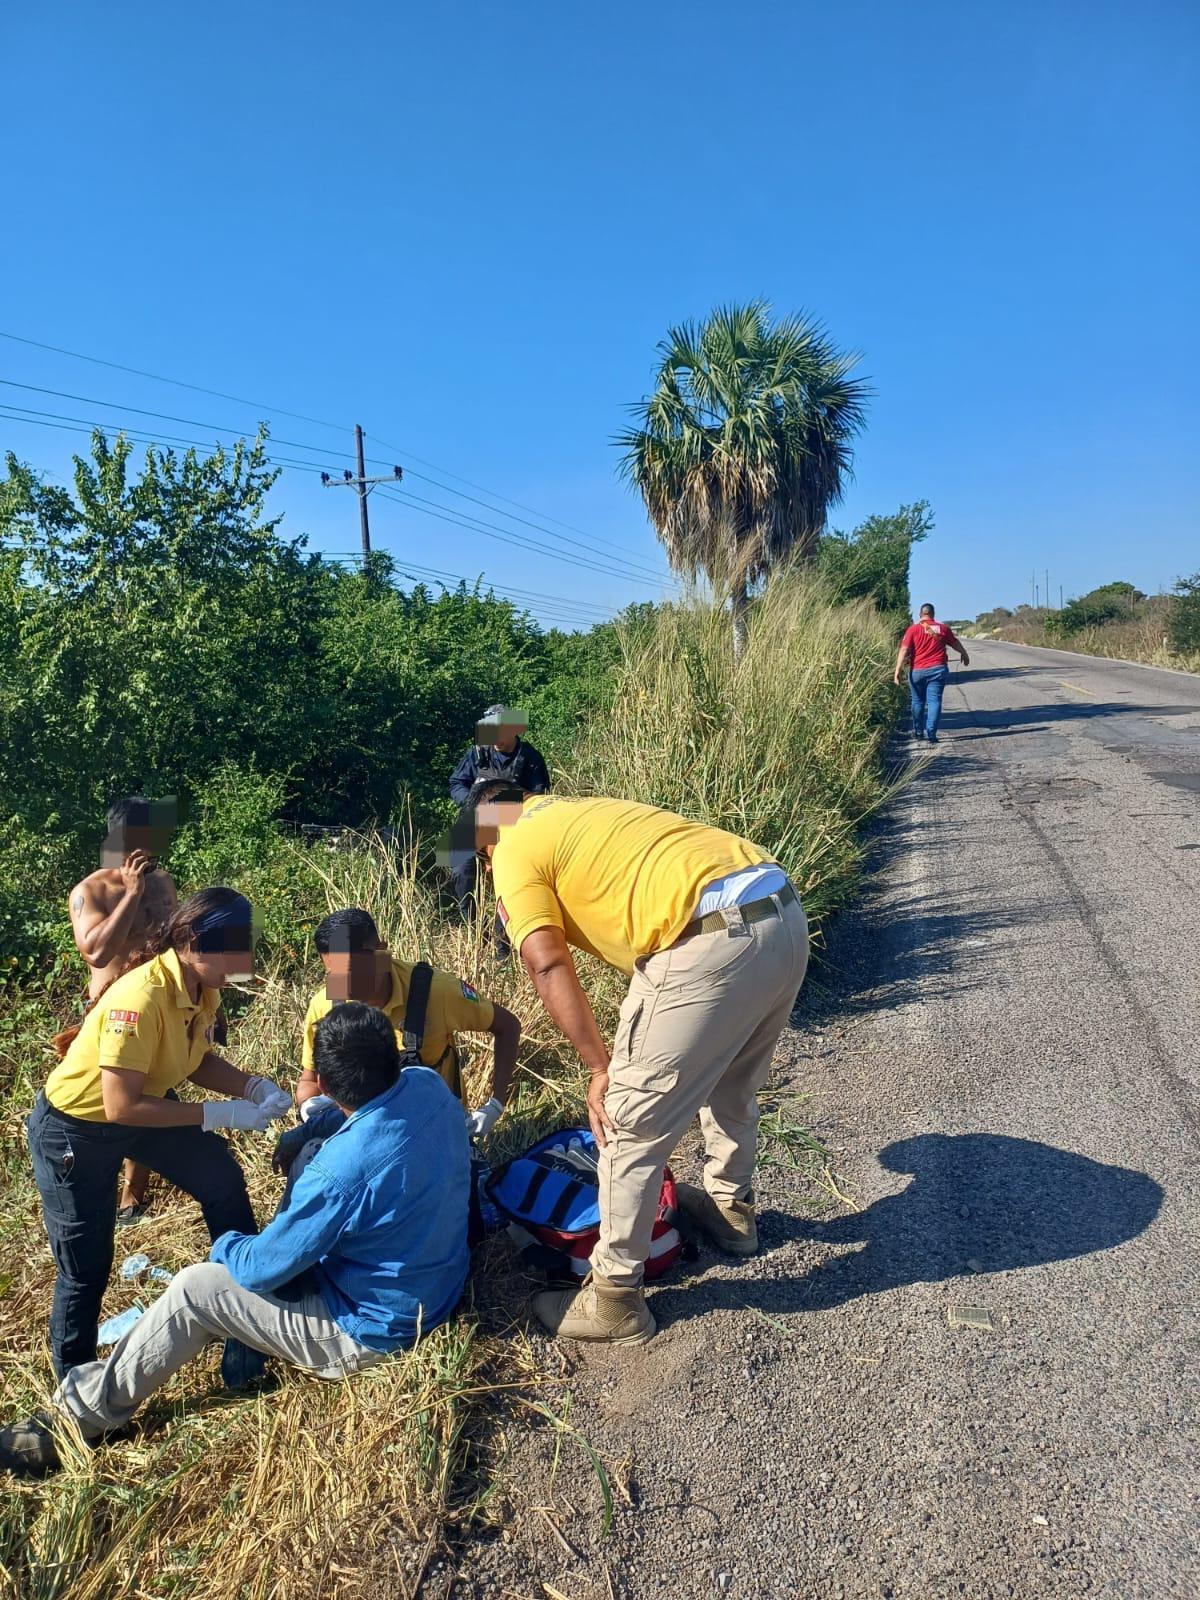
<point>927,640</point>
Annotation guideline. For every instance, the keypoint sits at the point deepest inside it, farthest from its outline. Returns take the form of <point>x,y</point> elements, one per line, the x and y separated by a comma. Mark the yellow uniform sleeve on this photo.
<point>524,898</point>
<point>456,1005</point>
<point>129,1039</point>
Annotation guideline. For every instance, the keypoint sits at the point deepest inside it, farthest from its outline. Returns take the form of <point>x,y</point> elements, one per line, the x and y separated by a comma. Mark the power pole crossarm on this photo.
<point>362,485</point>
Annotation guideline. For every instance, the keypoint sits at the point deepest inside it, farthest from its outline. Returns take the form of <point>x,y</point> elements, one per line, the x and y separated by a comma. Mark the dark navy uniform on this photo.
<point>524,765</point>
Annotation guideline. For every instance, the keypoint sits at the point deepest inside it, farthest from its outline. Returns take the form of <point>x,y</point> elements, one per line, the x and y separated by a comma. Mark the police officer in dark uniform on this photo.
<point>499,752</point>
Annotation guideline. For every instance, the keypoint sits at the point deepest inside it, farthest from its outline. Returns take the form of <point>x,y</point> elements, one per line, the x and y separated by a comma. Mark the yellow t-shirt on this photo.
<point>453,1006</point>
<point>620,879</point>
<point>145,1022</point>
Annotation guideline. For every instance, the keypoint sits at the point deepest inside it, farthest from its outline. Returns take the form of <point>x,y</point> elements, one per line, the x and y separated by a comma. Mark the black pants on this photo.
<point>464,881</point>
<point>75,1164</point>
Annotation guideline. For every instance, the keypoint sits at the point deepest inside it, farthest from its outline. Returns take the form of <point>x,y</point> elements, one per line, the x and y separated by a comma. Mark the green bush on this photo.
<point>37,870</point>
<point>1183,618</point>
<point>873,560</point>
<point>1108,603</point>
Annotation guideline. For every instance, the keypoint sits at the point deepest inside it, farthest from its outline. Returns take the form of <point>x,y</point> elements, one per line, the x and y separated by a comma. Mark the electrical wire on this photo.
<point>635,568</point>
<point>320,422</point>
<point>413,569</point>
<point>429,508</point>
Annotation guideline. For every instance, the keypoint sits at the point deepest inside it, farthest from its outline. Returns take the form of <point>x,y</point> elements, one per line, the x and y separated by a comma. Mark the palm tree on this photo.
<point>744,444</point>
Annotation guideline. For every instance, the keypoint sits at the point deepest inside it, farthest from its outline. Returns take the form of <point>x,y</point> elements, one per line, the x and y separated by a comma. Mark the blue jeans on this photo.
<point>75,1165</point>
<point>925,693</point>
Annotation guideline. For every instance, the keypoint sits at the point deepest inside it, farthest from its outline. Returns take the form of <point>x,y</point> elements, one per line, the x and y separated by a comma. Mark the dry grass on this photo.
<point>314,1490</point>
<point>1142,640</point>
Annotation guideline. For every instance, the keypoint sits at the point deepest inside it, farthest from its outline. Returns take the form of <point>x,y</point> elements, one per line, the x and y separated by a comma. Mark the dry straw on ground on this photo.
<point>313,1489</point>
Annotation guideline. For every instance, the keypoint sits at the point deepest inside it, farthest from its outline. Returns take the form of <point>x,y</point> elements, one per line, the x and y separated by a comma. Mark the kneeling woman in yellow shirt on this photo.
<point>112,1096</point>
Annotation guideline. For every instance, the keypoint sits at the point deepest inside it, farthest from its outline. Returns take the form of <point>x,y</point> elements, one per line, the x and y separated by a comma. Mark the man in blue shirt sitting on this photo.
<point>368,1250</point>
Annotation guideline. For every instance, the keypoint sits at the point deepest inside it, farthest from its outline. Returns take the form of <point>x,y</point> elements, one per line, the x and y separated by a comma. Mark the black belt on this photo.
<point>753,911</point>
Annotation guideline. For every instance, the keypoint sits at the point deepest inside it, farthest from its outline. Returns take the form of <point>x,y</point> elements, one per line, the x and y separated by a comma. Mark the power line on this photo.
<point>428,508</point>
<point>418,569</point>
<point>490,531</point>
<point>560,606</point>
<point>320,422</point>
<point>560,602</point>
<point>635,567</point>
<point>521,600</point>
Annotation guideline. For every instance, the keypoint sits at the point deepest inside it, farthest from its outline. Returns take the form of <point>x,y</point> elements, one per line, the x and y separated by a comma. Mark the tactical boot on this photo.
<point>729,1224</point>
<point>597,1311</point>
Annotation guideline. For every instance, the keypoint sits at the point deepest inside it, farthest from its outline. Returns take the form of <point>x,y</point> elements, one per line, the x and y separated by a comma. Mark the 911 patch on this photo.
<point>121,1022</point>
<point>468,992</point>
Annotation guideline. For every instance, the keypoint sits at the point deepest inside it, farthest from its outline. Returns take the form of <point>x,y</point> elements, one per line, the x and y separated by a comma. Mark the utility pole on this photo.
<point>362,485</point>
<point>1033,589</point>
<point>1045,591</point>
<point>1060,604</point>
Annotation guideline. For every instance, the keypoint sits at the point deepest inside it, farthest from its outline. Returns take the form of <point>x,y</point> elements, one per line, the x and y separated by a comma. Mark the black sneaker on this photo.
<point>932,738</point>
<point>27,1449</point>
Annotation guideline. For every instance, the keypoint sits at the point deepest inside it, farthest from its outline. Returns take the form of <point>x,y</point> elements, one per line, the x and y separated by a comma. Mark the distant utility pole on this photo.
<point>1046,590</point>
<point>1060,604</point>
<point>1033,588</point>
<point>363,485</point>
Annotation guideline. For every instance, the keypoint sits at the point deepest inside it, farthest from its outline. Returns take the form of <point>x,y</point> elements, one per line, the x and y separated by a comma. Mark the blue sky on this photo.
<point>468,226</point>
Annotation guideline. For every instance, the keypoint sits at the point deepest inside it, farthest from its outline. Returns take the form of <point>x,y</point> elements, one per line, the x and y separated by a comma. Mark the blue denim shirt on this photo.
<point>379,1214</point>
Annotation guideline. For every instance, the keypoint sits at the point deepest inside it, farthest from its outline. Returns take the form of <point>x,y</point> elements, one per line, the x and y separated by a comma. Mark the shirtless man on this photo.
<point>114,911</point>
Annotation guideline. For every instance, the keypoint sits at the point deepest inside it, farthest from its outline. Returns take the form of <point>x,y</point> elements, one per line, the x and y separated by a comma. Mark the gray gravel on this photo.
<point>1003,1054</point>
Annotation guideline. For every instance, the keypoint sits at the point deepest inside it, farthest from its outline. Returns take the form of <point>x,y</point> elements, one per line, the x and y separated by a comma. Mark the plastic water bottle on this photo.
<point>160,1275</point>
<point>133,1266</point>
<point>117,1327</point>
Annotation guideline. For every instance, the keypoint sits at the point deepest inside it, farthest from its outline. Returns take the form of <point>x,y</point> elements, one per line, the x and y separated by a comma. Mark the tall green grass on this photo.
<point>782,746</point>
<point>315,1489</point>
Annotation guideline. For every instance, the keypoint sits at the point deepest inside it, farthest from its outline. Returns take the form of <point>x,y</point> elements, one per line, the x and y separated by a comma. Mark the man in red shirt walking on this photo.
<point>924,644</point>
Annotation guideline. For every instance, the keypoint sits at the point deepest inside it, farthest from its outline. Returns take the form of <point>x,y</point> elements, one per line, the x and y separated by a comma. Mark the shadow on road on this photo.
<point>977,1203</point>
<point>960,945</point>
<point>977,674</point>
<point>982,723</point>
<point>886,953</point>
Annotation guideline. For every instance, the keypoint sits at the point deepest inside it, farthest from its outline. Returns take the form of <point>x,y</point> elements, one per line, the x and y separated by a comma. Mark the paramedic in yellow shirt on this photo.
<point>715,942</point>
<point>359,966</point>
<point>112,1097</point>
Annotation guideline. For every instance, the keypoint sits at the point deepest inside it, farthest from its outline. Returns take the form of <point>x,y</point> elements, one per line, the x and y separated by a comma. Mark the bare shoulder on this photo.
<point>95,892</point>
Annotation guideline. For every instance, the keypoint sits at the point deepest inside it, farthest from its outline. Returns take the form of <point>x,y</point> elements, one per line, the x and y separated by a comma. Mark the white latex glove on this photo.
<point>482,1122</point>
<point>243,1114</point>
<point>265,1092</point>
<point>314,1105</point>
<point>260,1091</point>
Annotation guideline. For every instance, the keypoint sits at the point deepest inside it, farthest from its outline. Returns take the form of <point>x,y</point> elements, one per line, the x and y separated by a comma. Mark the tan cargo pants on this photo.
<point>697,1033</point>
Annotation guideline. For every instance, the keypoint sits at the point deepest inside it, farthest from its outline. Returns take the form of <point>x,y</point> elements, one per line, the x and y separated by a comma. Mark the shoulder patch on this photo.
<point>468,992</point>
<point>119,1023</point>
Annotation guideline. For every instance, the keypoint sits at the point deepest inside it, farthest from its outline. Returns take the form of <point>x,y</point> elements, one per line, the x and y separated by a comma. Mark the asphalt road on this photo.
<point>1003,1051</point>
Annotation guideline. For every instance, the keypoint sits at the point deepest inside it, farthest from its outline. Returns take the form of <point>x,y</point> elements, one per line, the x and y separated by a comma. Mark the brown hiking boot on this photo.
<point>597,1311</point>
<point>729,1224</point>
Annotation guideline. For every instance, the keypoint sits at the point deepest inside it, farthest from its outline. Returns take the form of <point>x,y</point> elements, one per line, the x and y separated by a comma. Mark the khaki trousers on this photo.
<point>697,1033</point>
